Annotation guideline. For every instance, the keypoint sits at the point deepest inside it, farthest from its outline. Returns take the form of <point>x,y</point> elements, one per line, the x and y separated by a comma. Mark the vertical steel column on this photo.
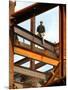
<point>64,40</point>
<point>11,46</point>
<point>32,62</point>
<point>11,60</point>
<point>61,37</point>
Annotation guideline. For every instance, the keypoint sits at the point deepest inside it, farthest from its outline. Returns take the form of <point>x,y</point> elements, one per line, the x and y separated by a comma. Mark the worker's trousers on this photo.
<point>42,36</point>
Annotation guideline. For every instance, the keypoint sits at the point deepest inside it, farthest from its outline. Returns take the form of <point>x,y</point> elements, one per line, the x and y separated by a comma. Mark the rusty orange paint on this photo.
<point>35,56</point>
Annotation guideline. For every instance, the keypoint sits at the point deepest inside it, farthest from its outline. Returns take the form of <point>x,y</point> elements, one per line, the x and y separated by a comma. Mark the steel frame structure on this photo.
<point>31,53</point>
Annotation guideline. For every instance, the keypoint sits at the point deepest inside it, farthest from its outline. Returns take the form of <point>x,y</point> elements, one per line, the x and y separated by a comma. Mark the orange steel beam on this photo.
<point>35,56</point>
<point>37,50</point>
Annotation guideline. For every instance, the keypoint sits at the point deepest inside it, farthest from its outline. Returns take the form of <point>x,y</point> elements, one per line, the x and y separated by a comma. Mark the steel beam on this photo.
<point>37,50</point>
<point>11,65</point>
<point>35,56</point>
<point>62,38</point>
<point>22,61</point>
<point>50,80</point>
<point>31,11</point>
<point>29,72</point>
<point>33,38</point>
<point>58,82</point>
<point>38,65</point>
<point>11,49</point>
<point>32,62</point>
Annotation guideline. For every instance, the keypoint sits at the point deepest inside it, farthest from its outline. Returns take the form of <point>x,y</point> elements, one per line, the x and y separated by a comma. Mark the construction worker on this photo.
<point>41,31</point>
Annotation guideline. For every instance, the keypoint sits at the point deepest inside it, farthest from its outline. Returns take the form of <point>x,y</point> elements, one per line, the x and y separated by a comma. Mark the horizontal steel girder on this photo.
<point>35,56</point>
<point>22,61</point>
<point>31,11</point>
<point>33,38</point>
<point>28,72</point>
<point>37,50</point>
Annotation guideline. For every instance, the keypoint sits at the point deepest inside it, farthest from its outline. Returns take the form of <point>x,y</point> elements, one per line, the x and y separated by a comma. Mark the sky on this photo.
<point>50,21</point>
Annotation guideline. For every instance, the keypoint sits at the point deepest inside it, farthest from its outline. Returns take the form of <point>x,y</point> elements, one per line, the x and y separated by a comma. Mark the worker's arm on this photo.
<point>43,28</point>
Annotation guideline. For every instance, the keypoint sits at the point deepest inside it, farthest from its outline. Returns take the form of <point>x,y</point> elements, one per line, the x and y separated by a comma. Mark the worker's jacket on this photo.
<point>40,29</point>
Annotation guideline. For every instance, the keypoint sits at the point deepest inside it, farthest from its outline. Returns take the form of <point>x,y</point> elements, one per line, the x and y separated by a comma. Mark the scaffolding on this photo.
<point>21,77</point>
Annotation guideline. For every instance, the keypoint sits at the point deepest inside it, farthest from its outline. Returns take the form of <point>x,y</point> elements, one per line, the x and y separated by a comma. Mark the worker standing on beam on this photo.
<point>41,31</point>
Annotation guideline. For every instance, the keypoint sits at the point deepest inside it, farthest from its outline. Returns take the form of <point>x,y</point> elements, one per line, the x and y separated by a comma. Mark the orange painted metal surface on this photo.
<point>35,56</point>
